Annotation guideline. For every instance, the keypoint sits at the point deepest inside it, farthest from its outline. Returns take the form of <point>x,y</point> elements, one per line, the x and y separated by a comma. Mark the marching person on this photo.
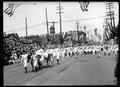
<point>35,62</point>
<point>30,59</point>
<point>24,60</point>
<point>46,57</point>
<point>32,63</point>
<point>39,61</point>
<point>63,55</point>
<point>52,59</point>
<point>58,57</point>
<point>98,53</point>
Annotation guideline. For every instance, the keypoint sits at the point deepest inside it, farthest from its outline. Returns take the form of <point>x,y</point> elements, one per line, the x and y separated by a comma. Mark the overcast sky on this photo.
<point>35,13</point>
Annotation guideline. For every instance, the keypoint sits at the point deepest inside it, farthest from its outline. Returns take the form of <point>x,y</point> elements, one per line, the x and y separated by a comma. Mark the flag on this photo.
<point>106,33</point>
<point>11,8</point>
<point>84,6</point>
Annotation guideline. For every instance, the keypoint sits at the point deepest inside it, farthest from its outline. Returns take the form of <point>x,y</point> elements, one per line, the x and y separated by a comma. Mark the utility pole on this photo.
<point>54,28</point>
<point>77,26</point>
<point>47,23</point>
<point>26,26</point>
<point>59,8</point>
<point>110,13</point>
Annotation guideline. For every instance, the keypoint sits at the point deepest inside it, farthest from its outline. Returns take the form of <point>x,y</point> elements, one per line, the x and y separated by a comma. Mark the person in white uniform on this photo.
<point>35,62</point>
<point>58,57</point>
<point>24,61</point>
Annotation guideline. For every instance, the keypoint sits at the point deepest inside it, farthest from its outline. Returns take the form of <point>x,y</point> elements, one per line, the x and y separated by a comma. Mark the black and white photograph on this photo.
<point>56,43</point>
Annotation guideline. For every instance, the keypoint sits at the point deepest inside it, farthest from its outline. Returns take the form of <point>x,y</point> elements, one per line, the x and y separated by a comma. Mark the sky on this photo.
<point>35,14</point>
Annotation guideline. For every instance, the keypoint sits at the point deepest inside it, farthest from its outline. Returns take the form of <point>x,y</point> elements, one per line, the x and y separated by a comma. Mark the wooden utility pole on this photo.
<point>110,13</point>
<point>77,26</point>
<point>47,23</point>
<point>26,26</point>
<point>59,8</point>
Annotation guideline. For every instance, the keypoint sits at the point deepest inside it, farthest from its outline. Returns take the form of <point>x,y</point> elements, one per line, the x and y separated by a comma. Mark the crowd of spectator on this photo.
<point>12,43</point>
<point>20,45</point>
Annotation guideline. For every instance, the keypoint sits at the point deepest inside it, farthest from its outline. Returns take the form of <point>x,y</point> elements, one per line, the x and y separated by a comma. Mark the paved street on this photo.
<point>80,70</point>
<point>15,74</point>
<point>41,34</point>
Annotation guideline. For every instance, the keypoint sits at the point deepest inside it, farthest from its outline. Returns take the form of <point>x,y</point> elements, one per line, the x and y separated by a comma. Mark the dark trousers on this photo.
<point>32,66</point>
<point>39,63</point>
<point>57,61</point>
<point>25,69</point>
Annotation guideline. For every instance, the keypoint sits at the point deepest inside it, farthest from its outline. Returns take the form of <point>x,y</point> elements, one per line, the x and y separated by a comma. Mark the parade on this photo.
<point>50,55</point>
<point>79,49</point>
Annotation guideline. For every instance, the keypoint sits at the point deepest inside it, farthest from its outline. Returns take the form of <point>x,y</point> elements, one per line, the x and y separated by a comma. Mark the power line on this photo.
<point>68,20</point>
<point>84,19</point>
<point>62,21</point>
<point>28,27</point>
<point>58,22</point>
<point>13,25</point>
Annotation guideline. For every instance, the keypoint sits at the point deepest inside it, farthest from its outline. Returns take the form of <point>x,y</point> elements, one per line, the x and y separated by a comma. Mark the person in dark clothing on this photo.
<point>31,60</point>
<point>32,64</point>
<point>18,54</point>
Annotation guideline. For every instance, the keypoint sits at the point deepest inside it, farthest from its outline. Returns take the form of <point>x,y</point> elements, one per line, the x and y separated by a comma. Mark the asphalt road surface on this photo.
<point>79,70</point>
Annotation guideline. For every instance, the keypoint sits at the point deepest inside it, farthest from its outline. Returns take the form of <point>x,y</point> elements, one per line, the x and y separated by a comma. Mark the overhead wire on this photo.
<point>32,26</point>
<point>24,27</point>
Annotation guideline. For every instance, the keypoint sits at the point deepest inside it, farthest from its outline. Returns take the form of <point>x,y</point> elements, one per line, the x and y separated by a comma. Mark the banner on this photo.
<point>84,6</point>
<point>11,8</point>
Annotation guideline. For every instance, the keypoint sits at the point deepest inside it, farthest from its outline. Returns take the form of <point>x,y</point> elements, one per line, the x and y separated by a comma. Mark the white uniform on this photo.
<point>42,58</point>
<point>116,49</point>
<point>24,59</point>
<point>45,54</point>
<point>93,51</point>
<point>54,54</point>
<point>58,55</point>
<point>63,53</point>
<point>35,60</point>
<point>39,51</point>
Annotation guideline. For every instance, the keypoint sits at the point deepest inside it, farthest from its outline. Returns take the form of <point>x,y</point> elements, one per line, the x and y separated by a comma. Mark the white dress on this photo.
<point>24,59</point>
<point>58,55</point>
